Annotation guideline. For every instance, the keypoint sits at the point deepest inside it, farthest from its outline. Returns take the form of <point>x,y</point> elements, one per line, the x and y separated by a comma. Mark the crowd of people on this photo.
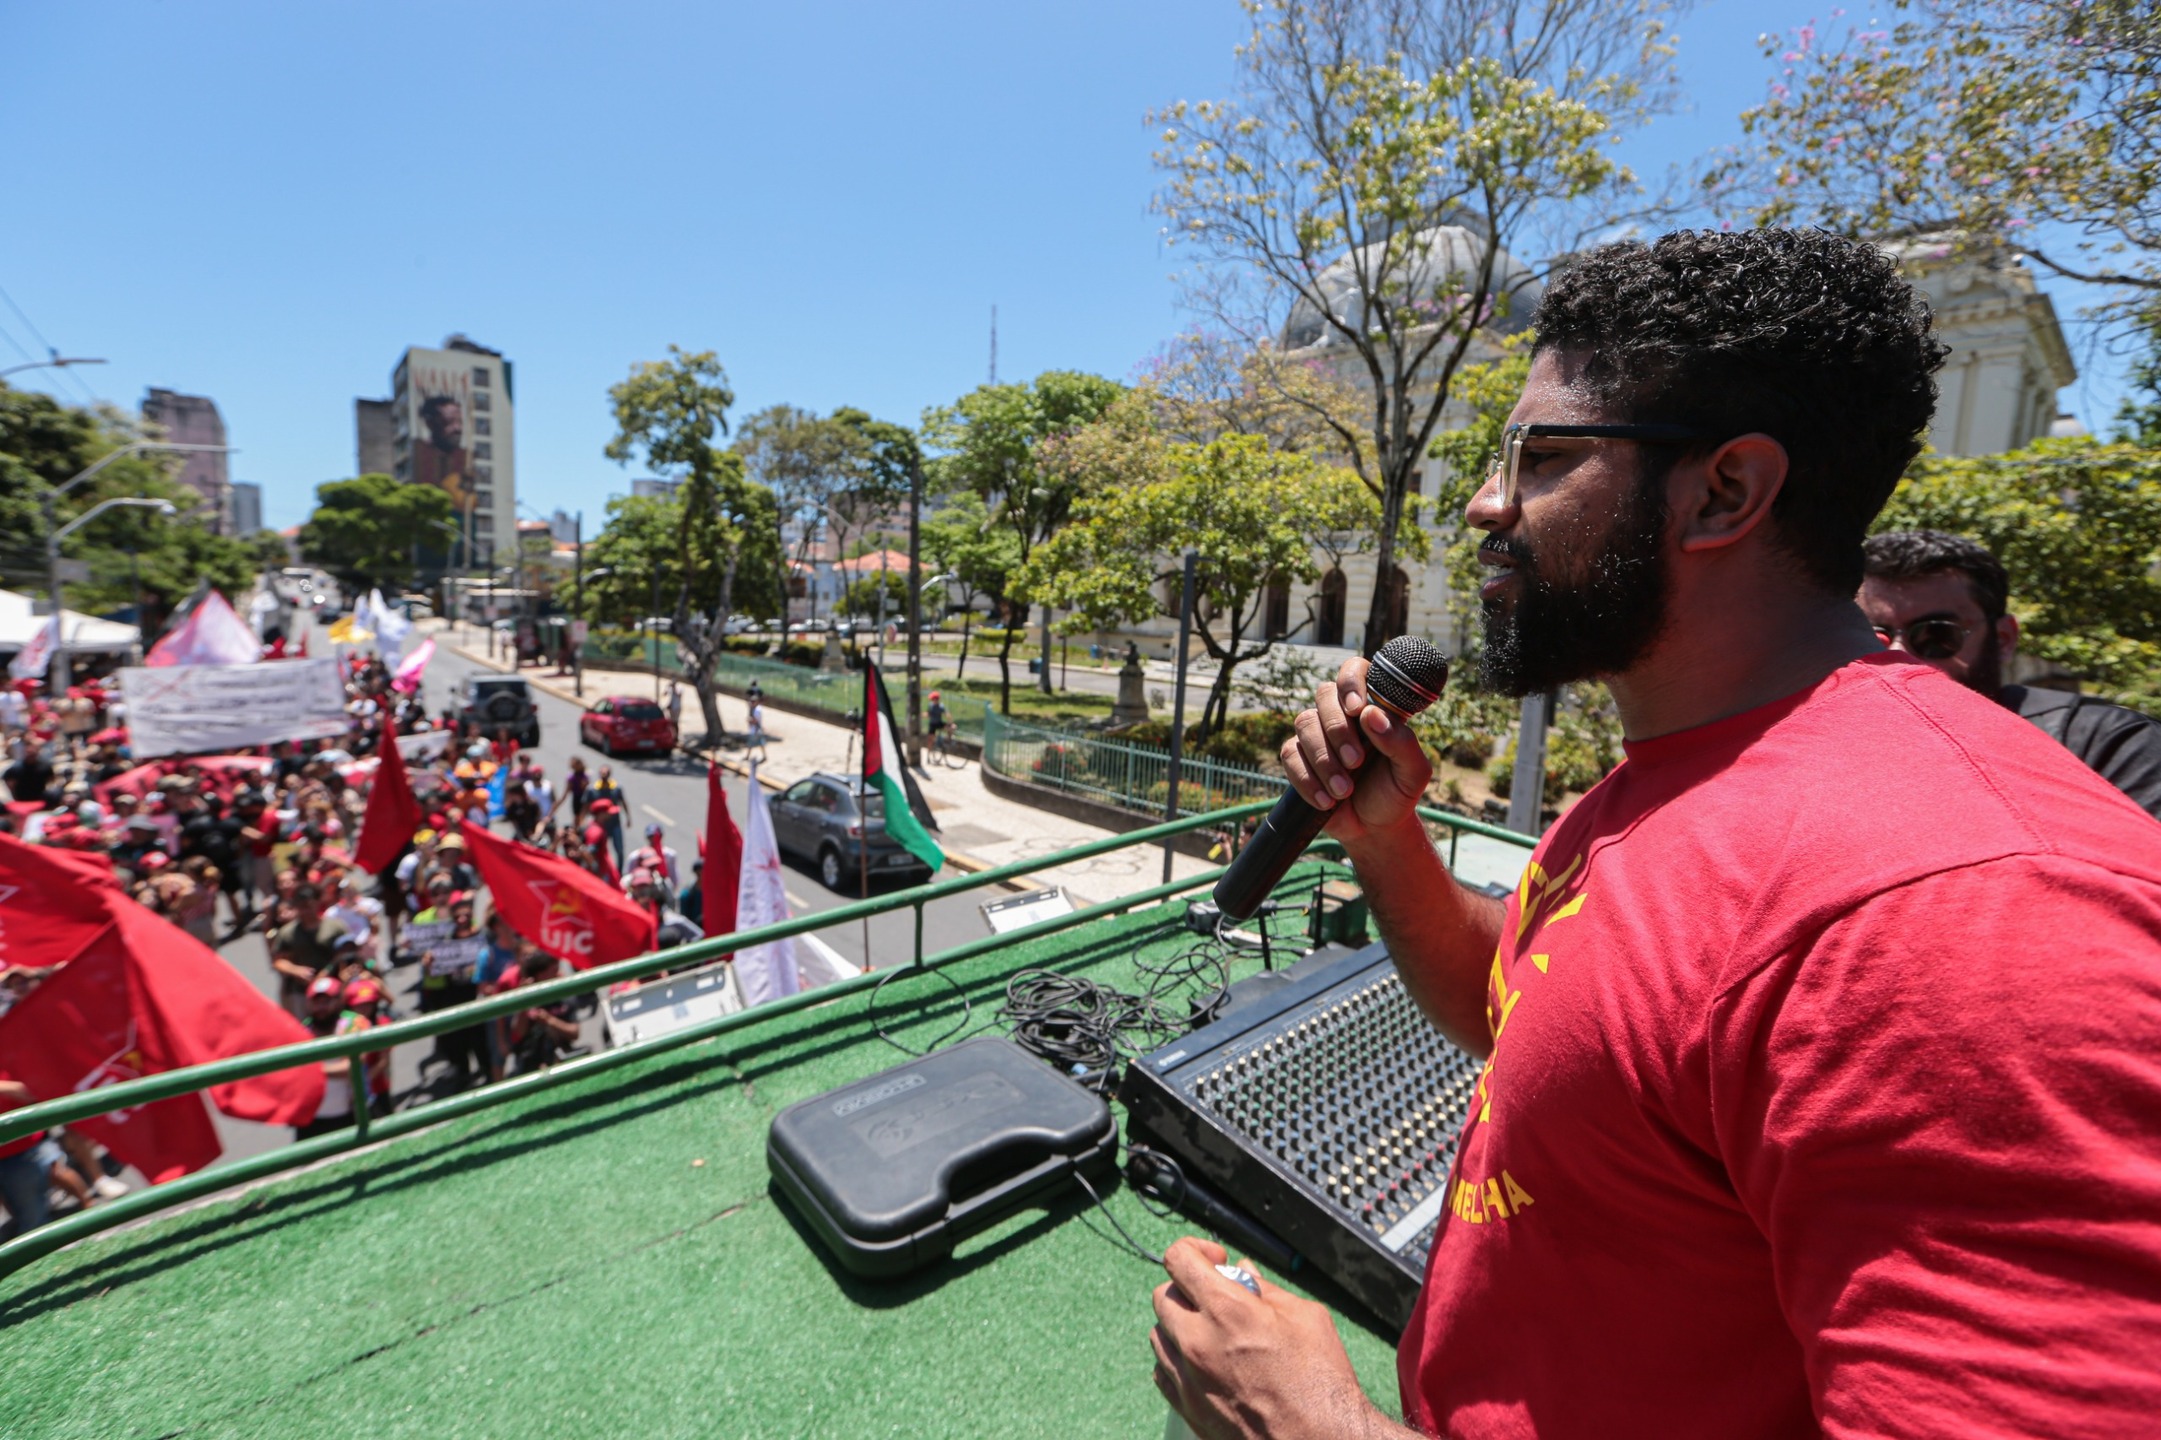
<point>263,843</point>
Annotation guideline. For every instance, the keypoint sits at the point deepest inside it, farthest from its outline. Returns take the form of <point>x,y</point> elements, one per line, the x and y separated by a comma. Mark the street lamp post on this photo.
<point>49,502</point>
<point>52,566</point>
<point>578,685</point>
<point>58,362</point>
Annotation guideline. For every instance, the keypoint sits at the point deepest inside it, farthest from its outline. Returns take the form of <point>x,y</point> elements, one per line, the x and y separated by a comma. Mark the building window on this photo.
<point>482,425</point>
<point>485,499</point>
<point>480,377</point>
<point>483,524</point>
<point>1277,623</point>
<point>1328,624</point>
<point>1399,601</point>
<point>483,473</point>
<point>483,400</point>
<point>482,450</point>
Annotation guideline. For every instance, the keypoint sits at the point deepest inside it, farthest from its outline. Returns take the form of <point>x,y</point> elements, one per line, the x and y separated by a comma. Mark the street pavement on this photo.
<point>669,791</point>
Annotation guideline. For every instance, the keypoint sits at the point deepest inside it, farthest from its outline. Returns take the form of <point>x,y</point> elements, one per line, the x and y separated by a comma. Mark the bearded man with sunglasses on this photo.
<point>1945,600</point>
<point>1823,1038</point>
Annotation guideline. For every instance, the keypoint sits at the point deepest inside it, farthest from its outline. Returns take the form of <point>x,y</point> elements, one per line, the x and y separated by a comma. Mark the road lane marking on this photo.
<point>796,900</point>
<point>656,814</point>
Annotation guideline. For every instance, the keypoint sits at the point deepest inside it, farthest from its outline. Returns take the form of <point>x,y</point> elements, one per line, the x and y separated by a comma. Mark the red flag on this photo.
<point>80,1031</point>
<point>393,815</point>
<point>184,1005</point>
<point>49,909</point>
<point>723,873</point>
<point>567,911</point>
<point>203,1009</point>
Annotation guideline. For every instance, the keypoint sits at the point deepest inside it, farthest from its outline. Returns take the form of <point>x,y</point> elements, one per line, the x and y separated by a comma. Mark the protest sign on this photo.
<point>199,709</point>
<point>455,956</point>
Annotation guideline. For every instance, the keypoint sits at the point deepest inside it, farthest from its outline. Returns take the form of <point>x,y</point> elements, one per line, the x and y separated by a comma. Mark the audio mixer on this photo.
<point>1330,1109</point>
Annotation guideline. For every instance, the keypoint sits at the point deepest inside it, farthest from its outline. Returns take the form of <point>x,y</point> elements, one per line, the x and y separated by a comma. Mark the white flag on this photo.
<point>210,635</point>
<point>768,971</point>
<point>31,661</point>
<point>389,623</point>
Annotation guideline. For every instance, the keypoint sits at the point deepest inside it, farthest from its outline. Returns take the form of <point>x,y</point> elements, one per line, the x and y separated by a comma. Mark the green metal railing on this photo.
<point>835,695</point>
<point>1123,773</point>
<point>14,1124</point>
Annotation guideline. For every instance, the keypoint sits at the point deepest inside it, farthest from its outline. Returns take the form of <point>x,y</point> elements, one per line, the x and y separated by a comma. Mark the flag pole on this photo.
<point>862,803</point>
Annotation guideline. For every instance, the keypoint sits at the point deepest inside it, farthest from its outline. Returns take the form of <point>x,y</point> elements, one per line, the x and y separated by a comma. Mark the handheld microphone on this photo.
<point>1404,678</point>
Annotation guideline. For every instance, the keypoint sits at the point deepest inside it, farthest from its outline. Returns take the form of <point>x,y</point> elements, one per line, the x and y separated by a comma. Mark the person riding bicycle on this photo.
<point>938,723</point>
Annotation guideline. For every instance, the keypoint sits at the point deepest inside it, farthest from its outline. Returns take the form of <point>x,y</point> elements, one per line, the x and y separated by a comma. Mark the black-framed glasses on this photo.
<point>1506,463</point>
<point>1932,637</point>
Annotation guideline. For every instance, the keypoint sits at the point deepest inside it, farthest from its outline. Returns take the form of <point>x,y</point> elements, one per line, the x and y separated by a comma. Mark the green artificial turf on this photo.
<point>564,1265</point>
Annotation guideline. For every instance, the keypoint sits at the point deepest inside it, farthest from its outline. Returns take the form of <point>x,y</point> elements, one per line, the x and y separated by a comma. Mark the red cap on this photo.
<point>323,985</point>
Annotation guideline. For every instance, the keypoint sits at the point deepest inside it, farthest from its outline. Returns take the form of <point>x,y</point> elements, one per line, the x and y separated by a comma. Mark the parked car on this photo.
<point>626,722</point>
<point>809,627</point>
<point>500,702</point>
<point>824,820</point>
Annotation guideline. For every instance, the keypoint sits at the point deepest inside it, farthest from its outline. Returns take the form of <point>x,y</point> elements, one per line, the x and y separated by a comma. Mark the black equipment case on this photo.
<point>893,1170</point>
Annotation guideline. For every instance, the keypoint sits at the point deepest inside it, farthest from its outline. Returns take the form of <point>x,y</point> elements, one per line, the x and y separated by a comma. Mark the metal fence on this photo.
<point>837,694</point>
<point>1118,772</point>
<point>29,1119</point>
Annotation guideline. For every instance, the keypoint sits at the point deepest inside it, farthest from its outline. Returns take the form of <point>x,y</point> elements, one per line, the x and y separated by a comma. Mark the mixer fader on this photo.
<point>1330,1111</point>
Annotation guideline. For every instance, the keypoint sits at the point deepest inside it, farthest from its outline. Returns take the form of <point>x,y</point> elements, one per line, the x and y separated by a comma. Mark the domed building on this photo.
<point>1442,260</point>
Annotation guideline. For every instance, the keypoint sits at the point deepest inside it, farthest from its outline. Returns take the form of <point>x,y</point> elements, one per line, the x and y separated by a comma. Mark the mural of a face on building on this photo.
<point>445,419</point>
<point>440,459</point>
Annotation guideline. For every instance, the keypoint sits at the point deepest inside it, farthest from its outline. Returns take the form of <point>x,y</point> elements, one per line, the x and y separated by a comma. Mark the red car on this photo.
<point>625,722</point>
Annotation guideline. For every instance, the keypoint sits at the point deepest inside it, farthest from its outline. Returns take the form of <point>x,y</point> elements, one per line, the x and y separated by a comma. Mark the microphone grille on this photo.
<point>1407,674</point>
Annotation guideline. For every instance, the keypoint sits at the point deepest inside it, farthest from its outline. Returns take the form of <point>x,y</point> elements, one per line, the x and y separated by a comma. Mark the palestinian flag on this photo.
<point>885,769</point>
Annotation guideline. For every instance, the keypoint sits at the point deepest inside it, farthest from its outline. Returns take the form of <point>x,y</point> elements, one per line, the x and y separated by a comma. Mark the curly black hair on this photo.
<point>1815,340</point>
<point>1911,554</point>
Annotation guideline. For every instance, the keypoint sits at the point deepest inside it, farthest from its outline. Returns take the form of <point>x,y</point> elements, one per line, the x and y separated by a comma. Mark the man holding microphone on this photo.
<point>1823,1038</point>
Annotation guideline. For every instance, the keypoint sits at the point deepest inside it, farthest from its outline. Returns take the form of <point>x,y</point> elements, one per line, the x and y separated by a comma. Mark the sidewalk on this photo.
<point>978,830</point>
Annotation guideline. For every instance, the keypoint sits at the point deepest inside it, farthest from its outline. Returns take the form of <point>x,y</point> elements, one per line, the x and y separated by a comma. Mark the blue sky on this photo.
<point>266,203</point>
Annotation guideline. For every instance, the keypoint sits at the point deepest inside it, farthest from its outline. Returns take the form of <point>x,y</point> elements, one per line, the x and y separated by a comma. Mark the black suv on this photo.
<point>821,819</point>
<point>500,702</point>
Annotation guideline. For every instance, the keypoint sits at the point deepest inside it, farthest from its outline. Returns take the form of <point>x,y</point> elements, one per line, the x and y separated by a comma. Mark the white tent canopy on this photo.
<point>77,630</point>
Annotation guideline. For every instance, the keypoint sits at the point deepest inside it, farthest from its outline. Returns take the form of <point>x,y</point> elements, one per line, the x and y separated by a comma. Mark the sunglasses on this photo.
<point>1509,459</point>
<point>1937,637</point>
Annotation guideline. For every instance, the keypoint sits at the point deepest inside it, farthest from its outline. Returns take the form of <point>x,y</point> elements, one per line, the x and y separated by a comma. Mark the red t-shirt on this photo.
<point>1825,1094</point>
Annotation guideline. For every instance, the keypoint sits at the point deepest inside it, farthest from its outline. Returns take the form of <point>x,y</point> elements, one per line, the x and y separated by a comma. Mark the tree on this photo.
<point>988,442</point>
<point>878,460</point>
<point>1254,516</point>
<point>1207,384</point>
<point>806,460</point>
<point>1370,181</point>
<point>960,541</point>
<point>2032,122</point>
<point>726,527</point>
<point>363,530</point>
<point>2138,419</point>
<point>2077,523</point>
<point>880,594</point>
<point>136,557</point>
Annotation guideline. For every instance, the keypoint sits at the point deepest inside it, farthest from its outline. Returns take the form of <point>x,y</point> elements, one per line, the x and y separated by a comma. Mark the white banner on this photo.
<point>214,709</point>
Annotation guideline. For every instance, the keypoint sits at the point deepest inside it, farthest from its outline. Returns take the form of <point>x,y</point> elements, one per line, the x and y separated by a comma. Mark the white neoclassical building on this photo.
<point>1998,392</point>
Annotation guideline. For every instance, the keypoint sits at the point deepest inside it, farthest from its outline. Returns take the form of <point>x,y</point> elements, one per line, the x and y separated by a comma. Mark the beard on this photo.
<point>1985,675</point>
<point>1563,627</point>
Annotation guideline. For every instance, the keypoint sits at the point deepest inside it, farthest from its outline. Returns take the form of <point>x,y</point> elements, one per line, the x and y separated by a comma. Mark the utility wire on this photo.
<point>51,351</point>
